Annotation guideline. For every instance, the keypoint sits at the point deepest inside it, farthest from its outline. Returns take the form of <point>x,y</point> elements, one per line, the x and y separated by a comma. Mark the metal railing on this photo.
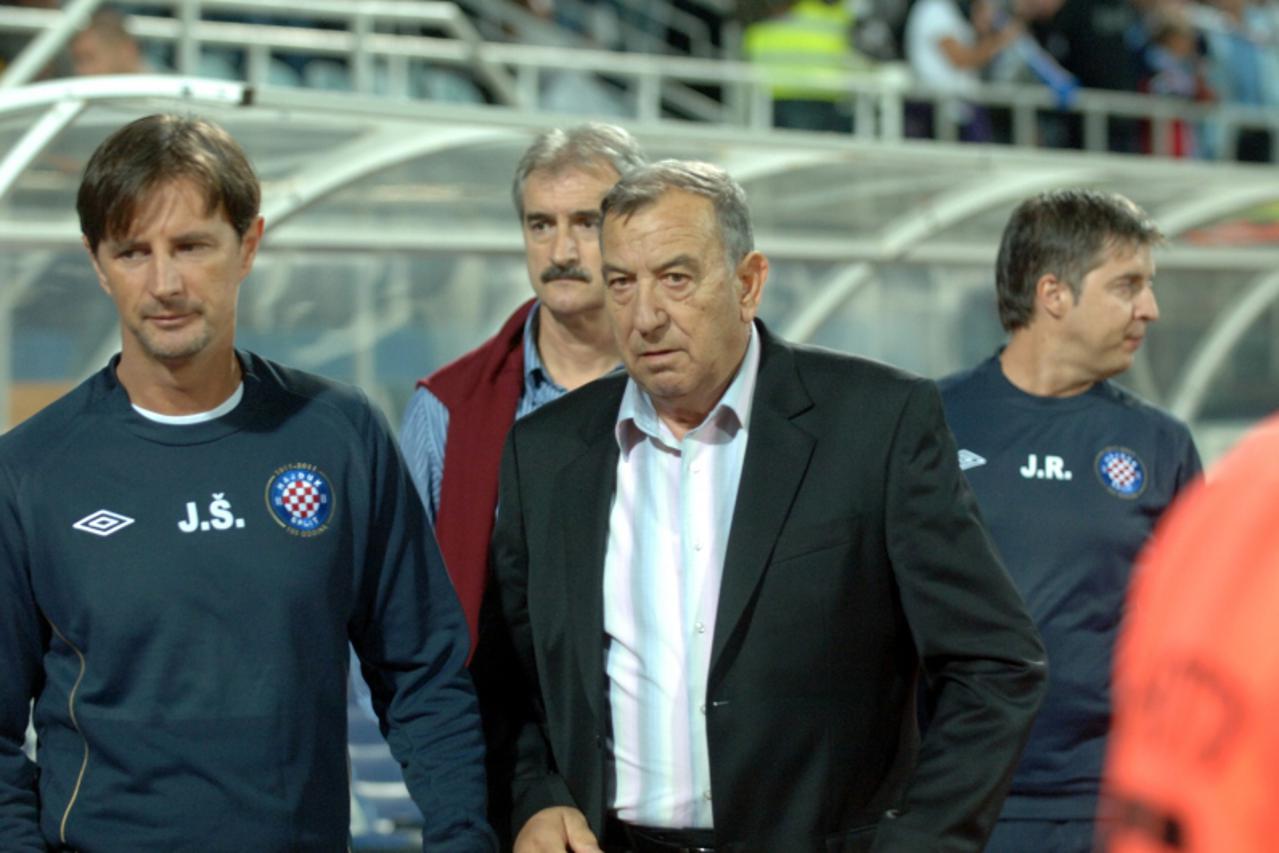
<point>359,44</point>
<point>646,87</point>
<point>641,25</point>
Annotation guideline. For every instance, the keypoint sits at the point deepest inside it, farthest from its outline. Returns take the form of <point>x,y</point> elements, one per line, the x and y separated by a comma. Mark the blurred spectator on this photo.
<point>879,31</point>
<point>1241,69</point>
<point>805,47</point>
<point>105,46</point>
<point>12,44</point>
<point>1174,69</point>
<point>948,42</point>
<point>1100,42</point>
<point>1192,762</point>
<point>569,91</point>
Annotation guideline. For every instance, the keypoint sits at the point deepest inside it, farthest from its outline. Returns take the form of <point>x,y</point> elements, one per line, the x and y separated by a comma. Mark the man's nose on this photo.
<point>166,279</point>
<point>1148,306</point>
<point>650,309</point>
<point>564,251</point>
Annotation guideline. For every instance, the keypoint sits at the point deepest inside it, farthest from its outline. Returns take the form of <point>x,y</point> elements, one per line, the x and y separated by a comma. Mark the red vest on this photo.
<point>481,390</point>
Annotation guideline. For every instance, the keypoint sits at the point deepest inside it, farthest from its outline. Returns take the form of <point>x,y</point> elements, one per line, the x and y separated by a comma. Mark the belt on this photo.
<point>653,839</point>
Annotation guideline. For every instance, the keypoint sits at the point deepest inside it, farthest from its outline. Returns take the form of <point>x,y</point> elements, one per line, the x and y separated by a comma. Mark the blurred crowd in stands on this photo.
<point>1204,52</point>
<point>1218,51</point>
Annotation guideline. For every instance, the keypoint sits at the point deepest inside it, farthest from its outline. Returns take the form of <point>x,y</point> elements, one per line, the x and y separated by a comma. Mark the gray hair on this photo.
<point>1065,232</point>
<point>583,147</point>
<point>646,185</point>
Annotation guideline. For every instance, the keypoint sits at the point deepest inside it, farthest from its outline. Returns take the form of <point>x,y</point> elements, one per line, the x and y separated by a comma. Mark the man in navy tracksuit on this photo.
<point>1071,473</point>
<point>188,542</point>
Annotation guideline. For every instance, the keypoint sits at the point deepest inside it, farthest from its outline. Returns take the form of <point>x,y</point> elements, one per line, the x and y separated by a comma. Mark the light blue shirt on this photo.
<point>424,432</point>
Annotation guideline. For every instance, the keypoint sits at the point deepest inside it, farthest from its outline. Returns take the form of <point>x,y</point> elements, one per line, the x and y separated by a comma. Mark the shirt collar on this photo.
<point>535,374</point>
<point>637,418</point>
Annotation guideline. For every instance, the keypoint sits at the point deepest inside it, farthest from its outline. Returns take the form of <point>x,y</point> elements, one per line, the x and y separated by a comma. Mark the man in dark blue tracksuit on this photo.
<point>188,542</point>
<point>1071,473</point>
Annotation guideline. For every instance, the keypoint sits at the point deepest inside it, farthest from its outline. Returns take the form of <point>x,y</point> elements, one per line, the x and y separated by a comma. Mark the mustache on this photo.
<point>561,271</point>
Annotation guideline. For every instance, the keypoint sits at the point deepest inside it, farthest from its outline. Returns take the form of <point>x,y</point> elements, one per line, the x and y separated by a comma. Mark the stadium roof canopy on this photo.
<point>391,220</point>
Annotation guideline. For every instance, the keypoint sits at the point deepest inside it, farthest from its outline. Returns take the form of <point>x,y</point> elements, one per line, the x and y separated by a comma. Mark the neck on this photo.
<point>681,421</point>
<point>576,349</point>
<point>683,416</point>
<point>185,387</point>
<point>1039,367</point>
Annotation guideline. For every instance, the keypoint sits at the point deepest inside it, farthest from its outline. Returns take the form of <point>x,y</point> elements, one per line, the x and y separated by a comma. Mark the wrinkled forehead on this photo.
<point>131,214</point>
<point>136,214</point>
<point>1118,249</point>
<point>592,178</point>
<point>674,221</point>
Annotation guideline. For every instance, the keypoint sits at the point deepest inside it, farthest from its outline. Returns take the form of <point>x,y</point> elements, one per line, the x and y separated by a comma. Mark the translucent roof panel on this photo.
<point>392,244</point>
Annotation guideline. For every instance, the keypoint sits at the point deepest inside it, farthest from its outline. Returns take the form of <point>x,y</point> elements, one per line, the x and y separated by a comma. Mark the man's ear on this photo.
<point>249,244</point>
<point>752,273</point>
<point>97,268</point>
<point>1053,296</point>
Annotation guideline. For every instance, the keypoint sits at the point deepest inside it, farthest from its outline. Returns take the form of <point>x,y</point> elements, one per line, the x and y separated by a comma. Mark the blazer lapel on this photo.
<point>586,487</point>
<point>777,456</point>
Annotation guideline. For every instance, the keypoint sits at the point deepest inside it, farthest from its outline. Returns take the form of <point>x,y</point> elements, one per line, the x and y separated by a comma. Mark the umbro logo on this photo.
<point>104,522</point>
<point>968,459</point>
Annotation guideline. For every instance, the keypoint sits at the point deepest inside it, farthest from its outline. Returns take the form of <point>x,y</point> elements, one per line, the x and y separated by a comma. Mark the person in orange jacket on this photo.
<point>1194,755</point>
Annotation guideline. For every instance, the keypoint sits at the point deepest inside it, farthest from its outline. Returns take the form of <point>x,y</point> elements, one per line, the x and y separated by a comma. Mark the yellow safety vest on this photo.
<point>806,51</point>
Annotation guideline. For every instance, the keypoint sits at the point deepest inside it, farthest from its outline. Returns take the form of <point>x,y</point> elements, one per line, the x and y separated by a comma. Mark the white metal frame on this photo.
<point>400,132</point>
<point>655,84</point>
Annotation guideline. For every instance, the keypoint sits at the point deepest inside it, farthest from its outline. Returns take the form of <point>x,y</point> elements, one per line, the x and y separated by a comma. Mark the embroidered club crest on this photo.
<point>1121,472</point>
<point>300,499</point>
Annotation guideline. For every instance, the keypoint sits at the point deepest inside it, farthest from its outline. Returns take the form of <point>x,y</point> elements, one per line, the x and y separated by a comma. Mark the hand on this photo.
<point>557,830</point>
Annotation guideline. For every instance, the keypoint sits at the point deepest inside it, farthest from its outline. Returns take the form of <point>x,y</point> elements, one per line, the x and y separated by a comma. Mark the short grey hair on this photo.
<point>646,185</point>
<point>585,146</point>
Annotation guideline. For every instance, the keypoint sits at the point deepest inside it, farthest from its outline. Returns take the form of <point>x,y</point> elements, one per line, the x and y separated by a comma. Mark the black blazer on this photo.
<point>855,564</point>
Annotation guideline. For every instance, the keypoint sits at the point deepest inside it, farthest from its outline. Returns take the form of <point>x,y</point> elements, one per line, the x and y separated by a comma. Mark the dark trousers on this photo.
<point>1042,836</point>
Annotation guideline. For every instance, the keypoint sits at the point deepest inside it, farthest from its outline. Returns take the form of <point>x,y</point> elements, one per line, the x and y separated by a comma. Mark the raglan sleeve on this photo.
<point>1191,467</point>
<point>21,650</point>
<point>412,641</point>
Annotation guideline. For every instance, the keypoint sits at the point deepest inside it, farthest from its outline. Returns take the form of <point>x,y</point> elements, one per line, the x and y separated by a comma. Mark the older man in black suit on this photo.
<point>727,572</point>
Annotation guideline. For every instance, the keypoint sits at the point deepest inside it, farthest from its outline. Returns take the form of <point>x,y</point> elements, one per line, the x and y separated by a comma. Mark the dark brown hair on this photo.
<point>156,150</point>
<point>1066,233</point>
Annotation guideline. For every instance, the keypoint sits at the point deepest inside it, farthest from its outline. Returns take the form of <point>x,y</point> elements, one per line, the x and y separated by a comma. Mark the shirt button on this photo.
<point>702,709</point>
<point>706,795</point>
<point>701,627</point>
<point>697,546</point>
